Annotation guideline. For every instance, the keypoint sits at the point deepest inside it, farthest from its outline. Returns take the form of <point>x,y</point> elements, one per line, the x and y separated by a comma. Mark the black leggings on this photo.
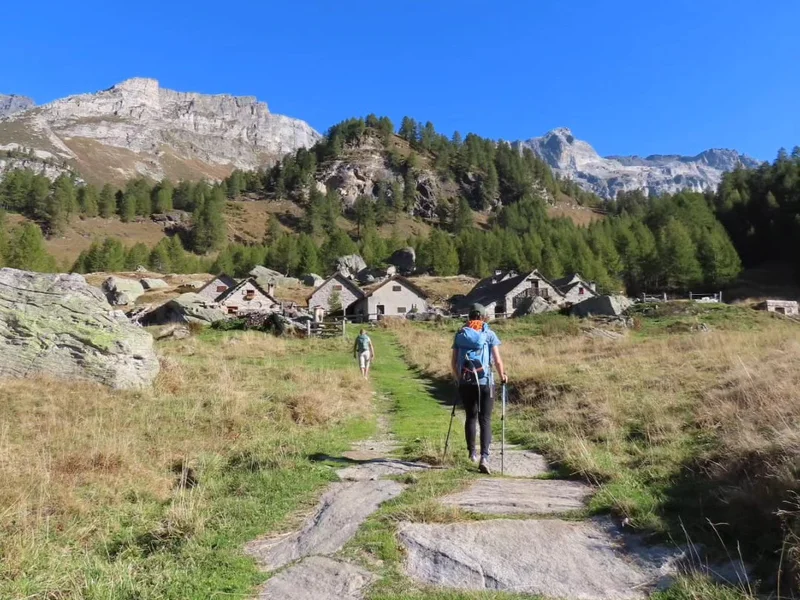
<point>479,410</point>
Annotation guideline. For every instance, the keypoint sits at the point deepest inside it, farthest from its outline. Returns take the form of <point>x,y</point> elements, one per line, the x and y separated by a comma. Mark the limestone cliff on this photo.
<point>606,176</point>
<point>139,128</point>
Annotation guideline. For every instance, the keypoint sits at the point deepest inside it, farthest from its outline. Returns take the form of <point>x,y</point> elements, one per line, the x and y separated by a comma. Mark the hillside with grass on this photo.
<point>688,423</point>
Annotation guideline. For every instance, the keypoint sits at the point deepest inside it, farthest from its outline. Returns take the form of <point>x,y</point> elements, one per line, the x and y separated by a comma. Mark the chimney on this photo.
<point>271,288</point>
<point>498,275</point>
<point>593,286</point>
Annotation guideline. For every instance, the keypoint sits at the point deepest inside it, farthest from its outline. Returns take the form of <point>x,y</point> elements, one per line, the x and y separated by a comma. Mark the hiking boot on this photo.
<point>483,467</point>
<point>474,457</point>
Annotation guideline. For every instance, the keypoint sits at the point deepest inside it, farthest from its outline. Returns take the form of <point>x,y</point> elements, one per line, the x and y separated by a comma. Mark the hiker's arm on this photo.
<point>355,347</point>
<point>371,351</point>
<point>454,364</point>
<point>498,361</point>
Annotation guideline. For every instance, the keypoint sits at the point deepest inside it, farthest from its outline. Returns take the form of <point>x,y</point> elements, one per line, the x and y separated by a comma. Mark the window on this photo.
<point>401,310</point>
<point>222,288</point>
<point>580,291</point>
<point>337,288</point>
<point>249,294</point>
<point>397,288</point>
<point>232,310</point>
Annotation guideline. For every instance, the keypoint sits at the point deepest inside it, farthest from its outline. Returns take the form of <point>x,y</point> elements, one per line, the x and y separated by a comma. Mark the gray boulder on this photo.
<point>350,265</point>
<point>265,276</point>
<point>611,306</point>
<point>534,306</point>
<point>154,284</point>
<point>186,308</point>
<point>312,280</point>
<point>120,291</point>
<point>59,326</point>
<point>405,260</point>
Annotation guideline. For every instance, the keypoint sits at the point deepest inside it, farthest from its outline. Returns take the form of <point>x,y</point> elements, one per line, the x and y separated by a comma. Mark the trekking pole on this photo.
<point>449,429</point>
<point>503,436</point>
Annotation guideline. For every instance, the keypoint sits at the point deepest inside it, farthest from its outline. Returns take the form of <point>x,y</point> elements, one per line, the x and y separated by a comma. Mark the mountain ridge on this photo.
<point>654,174</point>
<point>136,127</point>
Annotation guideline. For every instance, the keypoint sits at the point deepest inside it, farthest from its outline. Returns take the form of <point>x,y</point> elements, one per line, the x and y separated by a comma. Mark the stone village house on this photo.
<point>247,297</point>
<point>395,297</point>
<point>575,289</point>
<point>504,292</point>
<point>336,290</point>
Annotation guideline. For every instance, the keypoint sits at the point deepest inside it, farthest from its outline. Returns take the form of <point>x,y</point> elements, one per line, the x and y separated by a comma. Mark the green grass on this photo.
<point>189,545</point>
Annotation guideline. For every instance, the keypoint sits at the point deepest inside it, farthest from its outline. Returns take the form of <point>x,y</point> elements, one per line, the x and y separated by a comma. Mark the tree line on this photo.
<point>53,204</point>
<point>760,209</point>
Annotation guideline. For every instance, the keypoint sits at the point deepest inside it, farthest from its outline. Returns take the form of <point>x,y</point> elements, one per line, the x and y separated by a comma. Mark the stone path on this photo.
<point>535,552</point>
<point>555,558</point>
<point>318,578</point>
<point>520,497</point>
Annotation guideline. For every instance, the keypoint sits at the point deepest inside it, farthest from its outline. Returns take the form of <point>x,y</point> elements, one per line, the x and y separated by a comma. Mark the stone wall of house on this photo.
<point>545,290</point>
<point>397,300</point>
<point>248,298</point>
<point>579,293</point>
<point>322,296</point>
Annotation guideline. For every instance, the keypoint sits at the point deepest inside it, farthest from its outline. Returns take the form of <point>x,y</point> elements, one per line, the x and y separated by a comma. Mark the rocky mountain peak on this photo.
<point>136,127</point>
<point>576,159</point>
<point>12,104</point>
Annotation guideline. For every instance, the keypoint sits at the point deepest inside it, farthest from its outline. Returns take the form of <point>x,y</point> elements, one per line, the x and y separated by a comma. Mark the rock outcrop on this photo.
<point>266,277</point>
<point>186,308</point>
<point>575,159</point>
<point>405,259</point>
<point>149,284</point>
<point>351,265</point>
<point>612,306</point>
<point>13,104</point>
<point>138,128</point>
<point>120,291</point>
<point>59,326</point>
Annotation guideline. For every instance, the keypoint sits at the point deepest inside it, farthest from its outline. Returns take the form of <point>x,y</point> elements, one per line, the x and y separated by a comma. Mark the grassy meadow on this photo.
<point>690,424</point>
<point>145,495</point>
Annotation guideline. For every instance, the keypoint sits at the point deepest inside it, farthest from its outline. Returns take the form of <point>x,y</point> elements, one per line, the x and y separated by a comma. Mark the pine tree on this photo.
<point>309,256</point>
<point>364,210</point>
<point>462,216</point>
<point>162,197</point>
<point>209,230</point>
<point>88,200</point>
<point>159,260</point>
<point>113,255</point>
<point>137,256</point>
<point>26,250</point>
<point>678,257</point>
<point>107,202</point>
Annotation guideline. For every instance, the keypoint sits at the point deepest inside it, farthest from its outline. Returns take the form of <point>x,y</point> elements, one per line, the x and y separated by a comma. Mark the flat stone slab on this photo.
<point>318,578</point>
<point>371,449</point>
<point>339,514</point>
<point>520,496</point>
<point>372,470</point>
<point>518,462</point>
<point>551,557</point>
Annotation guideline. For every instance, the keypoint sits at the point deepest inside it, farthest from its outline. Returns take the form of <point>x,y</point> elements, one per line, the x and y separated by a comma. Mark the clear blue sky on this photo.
<point>631,77</point>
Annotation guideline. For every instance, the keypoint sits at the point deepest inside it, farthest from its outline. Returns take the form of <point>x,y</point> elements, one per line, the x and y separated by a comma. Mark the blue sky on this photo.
<point>669,76</point>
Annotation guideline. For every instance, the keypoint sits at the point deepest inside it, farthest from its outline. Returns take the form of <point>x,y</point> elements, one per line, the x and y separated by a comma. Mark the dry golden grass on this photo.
<point>663,420</point>
<point>72,454</point>
<point>441,289</point>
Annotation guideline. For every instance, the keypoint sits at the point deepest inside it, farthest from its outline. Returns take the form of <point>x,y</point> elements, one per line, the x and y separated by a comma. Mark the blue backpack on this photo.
<point>472,355</point>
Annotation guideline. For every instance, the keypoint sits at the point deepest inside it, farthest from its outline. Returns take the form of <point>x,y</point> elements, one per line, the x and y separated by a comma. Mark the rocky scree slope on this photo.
<point>138,128</point>
<point>575,159</point>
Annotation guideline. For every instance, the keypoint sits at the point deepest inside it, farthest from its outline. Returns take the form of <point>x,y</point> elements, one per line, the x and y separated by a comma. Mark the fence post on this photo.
<point>665,296</point>
<point>308,328</point>
<point>344,327</point>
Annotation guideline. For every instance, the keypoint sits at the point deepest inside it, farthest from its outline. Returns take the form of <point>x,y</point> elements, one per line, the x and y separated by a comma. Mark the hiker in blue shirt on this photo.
<point>475,351</point>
